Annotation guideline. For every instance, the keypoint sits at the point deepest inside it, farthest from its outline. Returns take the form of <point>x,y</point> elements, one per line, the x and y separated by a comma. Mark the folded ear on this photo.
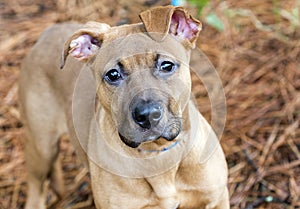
<point>176,21</point>
<point>84,43</point>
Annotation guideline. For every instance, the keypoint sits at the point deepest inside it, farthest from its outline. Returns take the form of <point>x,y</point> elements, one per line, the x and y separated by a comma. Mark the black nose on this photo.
<point>147,114</point>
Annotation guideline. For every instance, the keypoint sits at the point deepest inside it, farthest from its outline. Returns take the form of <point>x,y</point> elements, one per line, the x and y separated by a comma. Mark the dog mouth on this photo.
<point>170,133</point>
<point>128,142</point>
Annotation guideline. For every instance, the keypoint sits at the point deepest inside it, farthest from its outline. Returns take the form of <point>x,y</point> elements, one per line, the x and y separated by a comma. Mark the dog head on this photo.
<point>142,72</point>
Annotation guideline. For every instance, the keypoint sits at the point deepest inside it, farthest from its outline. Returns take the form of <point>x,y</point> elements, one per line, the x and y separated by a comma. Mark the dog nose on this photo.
<point>147,114</point>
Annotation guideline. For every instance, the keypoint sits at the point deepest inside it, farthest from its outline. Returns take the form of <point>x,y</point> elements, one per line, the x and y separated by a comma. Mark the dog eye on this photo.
<point>167,67</point>
<point>113,77</point>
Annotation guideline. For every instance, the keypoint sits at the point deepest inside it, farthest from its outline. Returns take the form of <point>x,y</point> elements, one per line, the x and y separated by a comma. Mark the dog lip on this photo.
<point>170,137</point>
<point>172,131</point>
<point>128,142</point>
<point>133,144</point>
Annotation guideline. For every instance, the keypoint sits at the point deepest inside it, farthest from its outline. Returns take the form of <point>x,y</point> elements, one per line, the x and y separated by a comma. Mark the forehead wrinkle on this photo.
<point>138,62</point>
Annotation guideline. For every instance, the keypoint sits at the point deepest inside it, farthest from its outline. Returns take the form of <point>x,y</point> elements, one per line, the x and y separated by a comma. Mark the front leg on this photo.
<point>115,192</point>
<point>159,207</point>
<point>224,202</point>
<point>164,189</point>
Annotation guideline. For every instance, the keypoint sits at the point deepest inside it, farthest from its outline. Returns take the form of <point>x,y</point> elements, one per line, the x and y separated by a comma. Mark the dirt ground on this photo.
<point>257,56</point>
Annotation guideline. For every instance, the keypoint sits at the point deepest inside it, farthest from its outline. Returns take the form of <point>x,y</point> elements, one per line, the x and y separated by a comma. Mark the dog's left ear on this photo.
<point>164,20</point>
<point>84,43</point>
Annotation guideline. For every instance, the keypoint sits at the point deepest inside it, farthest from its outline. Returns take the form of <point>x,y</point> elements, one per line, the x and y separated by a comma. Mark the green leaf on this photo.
<point>200,4</point>
<point>213,20</point>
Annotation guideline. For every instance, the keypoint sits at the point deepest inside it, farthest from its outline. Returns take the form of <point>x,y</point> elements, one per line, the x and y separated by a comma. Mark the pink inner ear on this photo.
<point>183,27</point>
<point>83,47</point>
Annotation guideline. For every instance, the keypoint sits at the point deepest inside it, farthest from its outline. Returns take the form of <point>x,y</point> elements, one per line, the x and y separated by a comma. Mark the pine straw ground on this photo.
<point>257,57</point>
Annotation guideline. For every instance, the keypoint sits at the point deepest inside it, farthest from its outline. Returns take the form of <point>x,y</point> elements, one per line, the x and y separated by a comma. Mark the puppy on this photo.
<point>123,96</point>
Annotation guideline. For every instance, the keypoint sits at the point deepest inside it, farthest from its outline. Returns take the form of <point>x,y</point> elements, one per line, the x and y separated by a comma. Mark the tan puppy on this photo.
<point>128,113</point>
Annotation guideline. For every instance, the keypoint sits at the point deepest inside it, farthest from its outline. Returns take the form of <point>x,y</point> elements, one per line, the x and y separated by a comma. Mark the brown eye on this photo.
<point>113,77</point>
<point>167,66</point>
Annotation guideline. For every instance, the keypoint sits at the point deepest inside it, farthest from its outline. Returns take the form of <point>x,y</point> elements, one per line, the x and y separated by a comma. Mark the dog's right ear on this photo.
<point>84,43</point>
